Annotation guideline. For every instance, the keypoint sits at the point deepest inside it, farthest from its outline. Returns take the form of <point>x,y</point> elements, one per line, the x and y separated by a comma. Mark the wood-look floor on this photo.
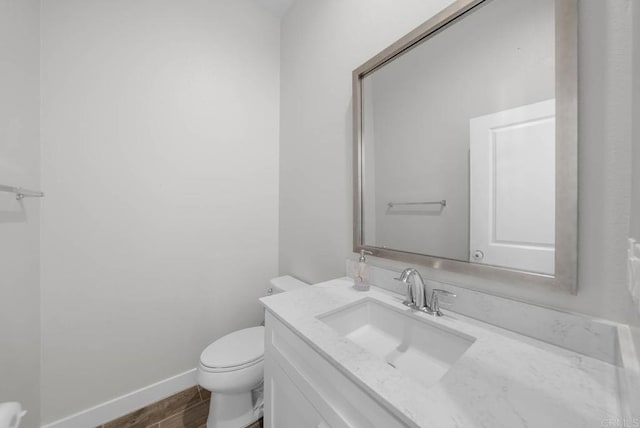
<point>186,409</point>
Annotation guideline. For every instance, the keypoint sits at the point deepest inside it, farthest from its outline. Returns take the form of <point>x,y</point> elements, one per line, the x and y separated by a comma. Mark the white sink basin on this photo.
<point>421,349</point>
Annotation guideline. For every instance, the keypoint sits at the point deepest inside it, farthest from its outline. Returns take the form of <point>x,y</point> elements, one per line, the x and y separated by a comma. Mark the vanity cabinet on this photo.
<point>289,407</point>
<point>304,390</point>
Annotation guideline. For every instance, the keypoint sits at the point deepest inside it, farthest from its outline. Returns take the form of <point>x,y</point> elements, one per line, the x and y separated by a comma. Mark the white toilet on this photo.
<point>232,368</point>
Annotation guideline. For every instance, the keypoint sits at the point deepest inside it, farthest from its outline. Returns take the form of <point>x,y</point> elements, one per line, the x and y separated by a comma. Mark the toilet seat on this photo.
<point>229,369</point>
<point>237,350</point>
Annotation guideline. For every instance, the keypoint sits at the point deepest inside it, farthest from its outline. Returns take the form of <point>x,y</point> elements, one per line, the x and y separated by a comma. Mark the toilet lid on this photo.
<point>235,349</point>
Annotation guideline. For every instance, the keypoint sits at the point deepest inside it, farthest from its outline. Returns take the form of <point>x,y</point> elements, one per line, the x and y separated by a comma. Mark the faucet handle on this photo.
<point>435,299</point>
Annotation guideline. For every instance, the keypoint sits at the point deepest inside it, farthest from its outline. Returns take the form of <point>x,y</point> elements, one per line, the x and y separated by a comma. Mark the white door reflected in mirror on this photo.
<point>512,188</point>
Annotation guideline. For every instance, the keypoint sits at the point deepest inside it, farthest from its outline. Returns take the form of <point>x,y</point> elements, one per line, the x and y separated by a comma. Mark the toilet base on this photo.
<point>232,410</point>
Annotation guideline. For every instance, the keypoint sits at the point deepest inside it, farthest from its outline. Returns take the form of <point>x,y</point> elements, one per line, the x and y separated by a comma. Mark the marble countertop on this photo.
<point>503,380</point>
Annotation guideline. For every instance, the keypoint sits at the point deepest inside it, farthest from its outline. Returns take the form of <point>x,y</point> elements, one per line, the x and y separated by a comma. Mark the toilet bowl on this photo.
<point>232,368</point>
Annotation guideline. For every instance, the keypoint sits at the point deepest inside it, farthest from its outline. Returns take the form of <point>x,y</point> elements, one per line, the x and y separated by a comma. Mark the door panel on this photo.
<point>288,408</point>
<point>513,150</point>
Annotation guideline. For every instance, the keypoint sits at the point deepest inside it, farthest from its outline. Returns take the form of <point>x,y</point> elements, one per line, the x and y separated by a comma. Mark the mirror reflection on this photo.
<point>458,141</point>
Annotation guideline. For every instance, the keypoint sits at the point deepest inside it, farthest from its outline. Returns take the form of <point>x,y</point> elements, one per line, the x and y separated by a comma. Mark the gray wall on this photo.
<point>635,198</point>
<point>634,224</point>
<point>322,42</point>
<point>422,127</point>
<point>160,158</point>
<point>20,221</point>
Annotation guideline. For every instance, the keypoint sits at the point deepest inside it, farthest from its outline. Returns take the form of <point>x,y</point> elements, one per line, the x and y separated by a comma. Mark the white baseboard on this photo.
<point>120,406</point>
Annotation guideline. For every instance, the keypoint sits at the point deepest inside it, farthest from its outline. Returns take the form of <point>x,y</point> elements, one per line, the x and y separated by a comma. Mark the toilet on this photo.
<point>232,368</point>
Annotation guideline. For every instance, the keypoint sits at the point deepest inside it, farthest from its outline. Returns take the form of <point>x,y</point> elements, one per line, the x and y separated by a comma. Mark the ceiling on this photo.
<point>277,7</point>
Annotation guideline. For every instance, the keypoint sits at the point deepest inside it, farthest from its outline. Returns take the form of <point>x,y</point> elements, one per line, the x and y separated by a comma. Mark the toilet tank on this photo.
<point>284,283</point>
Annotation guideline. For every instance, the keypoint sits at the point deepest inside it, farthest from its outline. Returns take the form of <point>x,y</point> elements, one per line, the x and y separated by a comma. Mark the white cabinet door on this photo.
<point>286,407</point>
<point>512,150</point>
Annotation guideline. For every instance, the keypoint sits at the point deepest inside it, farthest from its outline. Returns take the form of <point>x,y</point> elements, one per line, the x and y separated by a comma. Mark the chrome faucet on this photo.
<point>417,296</point>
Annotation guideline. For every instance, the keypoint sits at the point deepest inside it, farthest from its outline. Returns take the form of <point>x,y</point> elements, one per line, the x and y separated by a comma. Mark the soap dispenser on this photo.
<point>361,279</point>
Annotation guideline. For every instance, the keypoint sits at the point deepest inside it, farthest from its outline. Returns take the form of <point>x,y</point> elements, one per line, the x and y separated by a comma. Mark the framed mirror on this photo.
<point>465,144</point>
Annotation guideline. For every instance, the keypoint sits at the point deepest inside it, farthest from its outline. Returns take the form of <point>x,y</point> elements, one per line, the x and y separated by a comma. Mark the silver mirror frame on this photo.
<point>566,256</point>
